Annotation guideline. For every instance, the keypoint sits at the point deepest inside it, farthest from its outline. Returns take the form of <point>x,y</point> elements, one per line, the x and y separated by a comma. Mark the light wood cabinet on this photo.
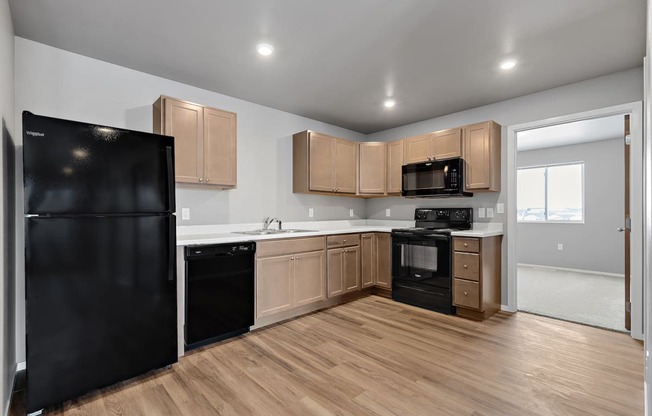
<point>323,164</point>
<point>376,268</point>
<point>477,276</point>
<point>372,164</point>
<point>444,144</point>
<point>394,167</point>
<point>383,250</point>
<point>205,141</point>
<point>343,264</point>
<point>368,259</point>
<point>481,153</point>
<point>288,275</point>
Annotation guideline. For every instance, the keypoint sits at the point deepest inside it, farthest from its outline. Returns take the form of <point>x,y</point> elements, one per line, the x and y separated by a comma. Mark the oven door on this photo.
<point>423,259</point>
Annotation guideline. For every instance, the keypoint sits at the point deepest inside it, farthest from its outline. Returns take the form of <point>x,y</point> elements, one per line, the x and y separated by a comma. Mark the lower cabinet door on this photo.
<point>273,285</point>
<point>351,269</point>
<point>383,251</point>
<point>309,277</point>
<point>368,266</point>
<point>335,259</point>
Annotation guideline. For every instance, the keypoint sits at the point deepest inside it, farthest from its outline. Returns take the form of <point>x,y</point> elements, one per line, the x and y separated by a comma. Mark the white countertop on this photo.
<point>226,233</point>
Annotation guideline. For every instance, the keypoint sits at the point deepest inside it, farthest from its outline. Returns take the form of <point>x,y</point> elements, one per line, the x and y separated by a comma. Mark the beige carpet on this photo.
<point>590,299</point>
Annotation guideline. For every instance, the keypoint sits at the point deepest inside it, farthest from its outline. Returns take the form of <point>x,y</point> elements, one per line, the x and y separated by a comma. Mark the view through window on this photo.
<point>553,193</point>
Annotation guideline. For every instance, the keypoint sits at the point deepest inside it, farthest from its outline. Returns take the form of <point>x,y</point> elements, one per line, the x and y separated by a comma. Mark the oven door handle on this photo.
<point>412,238</point>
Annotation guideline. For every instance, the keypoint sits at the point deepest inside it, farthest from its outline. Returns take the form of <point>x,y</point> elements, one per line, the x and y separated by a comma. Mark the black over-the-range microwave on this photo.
<point>439,178</point>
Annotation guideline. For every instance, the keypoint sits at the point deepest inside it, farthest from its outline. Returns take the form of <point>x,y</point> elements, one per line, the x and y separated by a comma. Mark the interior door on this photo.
<point>627,230</point>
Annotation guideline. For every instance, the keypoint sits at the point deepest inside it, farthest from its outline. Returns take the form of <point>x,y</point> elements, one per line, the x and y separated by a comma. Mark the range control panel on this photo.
<point>444,217</point>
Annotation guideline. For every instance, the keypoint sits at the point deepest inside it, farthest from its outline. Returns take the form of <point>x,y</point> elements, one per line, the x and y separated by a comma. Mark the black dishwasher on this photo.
<point>219,292</point>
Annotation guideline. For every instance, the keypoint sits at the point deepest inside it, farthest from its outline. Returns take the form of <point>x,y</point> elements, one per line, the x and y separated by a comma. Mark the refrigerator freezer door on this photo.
<point>101,303</point>
<point>79,168</point>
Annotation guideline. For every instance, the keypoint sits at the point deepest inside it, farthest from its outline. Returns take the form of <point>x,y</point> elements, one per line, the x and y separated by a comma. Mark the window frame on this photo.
<point>545,208</point>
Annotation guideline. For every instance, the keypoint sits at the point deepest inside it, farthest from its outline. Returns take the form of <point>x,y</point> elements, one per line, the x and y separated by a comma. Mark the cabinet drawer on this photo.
<point>469,245</point>
<point>466,266</point>
<point>342,240</point>
<point>289,246</point>
<point>466,294</point>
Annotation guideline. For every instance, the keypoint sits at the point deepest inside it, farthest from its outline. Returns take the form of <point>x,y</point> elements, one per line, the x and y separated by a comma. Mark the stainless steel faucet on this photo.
<point>269,220</point>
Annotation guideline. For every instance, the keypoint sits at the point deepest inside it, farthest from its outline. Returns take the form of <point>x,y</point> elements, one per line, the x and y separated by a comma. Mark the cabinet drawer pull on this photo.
<point>466,293</point>
<point>466,244</point>
<point>201,179</point>
<point>343,241</point>
<point>206,180</point>
<point>466,267</point>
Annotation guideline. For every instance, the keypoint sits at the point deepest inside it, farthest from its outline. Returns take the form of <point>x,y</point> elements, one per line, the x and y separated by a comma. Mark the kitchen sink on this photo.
<point>266,232</point>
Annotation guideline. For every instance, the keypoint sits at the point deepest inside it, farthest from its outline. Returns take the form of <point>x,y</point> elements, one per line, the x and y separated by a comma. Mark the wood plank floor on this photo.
<point>377,357</point>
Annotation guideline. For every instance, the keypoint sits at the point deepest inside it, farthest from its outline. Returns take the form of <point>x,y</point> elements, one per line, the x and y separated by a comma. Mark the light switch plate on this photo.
<point>351,214</point>
<point>480,212</point>
<point>490,212</point>
<point>311,212</point>
<point>185,213</point>
<point>388,212</point>
<point>500,208</point>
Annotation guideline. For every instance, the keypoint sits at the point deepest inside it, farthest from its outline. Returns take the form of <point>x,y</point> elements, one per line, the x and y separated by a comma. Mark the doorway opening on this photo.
<point>572,250</point>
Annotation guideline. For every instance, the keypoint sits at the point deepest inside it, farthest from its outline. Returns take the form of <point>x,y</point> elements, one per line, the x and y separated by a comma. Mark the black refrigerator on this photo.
<point>100,256</point>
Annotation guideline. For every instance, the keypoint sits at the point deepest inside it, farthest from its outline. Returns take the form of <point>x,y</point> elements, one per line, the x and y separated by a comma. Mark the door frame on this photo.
<point>636,201</point>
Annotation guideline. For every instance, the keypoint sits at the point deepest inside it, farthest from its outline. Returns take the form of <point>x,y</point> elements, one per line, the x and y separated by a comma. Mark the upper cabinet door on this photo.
<point>185,121</point>
<point>220,153</point>
<point>346,166</point>
<point>482,157</point>
<point>417,149</point>
<point>446,143</point>
<point>373,162</point>
<point>322,155</point>
<point>394,167</point>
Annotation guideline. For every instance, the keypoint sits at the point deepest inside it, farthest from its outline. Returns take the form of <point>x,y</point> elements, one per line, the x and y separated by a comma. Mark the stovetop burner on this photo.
<point>440,221</point>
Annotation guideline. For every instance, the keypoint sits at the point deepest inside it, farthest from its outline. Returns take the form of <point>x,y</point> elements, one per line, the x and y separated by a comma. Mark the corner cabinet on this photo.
<point>481,153</point>
<point>205,141</point>
<point>323,164</point>
<point>373,166</point>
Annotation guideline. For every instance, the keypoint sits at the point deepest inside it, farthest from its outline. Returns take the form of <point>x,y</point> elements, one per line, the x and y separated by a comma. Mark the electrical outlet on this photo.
<point>560,247</point>
<point>311,212</point>
<point>185,213</point>
<point>351,214</point>
<point>500,208</point>
<point>480,212</point>
<point>388,212</point>
<point>490,212</point>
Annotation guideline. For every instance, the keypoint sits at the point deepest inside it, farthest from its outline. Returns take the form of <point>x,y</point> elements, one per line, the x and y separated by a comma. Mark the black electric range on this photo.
<point>422,258</point>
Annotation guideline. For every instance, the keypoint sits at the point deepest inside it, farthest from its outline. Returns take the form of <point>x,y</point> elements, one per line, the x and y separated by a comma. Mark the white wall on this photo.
<point>57,83</point>
<point>594,245</point>
<point>618,88</point>
<point>7,288</point>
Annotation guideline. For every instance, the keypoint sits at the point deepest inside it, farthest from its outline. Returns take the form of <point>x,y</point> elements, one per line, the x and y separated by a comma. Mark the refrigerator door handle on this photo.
<point>172,248</point>
<point>170,176</point>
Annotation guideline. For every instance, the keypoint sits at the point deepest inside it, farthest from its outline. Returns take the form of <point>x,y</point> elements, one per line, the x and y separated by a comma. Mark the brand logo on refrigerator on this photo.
<point>35,133</point>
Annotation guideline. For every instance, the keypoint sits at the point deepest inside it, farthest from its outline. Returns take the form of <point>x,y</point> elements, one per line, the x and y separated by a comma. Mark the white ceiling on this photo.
<point>337,60</point>
<point>577,132</point>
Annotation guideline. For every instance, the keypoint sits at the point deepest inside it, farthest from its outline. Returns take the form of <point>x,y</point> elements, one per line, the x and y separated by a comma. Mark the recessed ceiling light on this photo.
<point>265,49</point>
<point>508,64</point>
<point>389,103</point>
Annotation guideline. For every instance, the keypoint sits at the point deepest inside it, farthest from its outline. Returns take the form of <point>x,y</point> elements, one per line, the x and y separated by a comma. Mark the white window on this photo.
<point>553,193</point>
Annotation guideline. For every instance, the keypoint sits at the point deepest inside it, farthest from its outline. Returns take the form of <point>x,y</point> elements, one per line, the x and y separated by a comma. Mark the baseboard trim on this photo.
<point>506,308</point>
<point>566,269</point>
<point>7,405</point>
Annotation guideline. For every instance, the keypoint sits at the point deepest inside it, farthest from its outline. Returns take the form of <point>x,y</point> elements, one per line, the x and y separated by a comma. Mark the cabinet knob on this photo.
<point>206,180</point>
<point>292,258</point>
<point>466,245</point>
<point>337,189</point>
<point>466,267</point>
<point>466,293</point>
<point>344,241</point>
<point>201,179</point>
